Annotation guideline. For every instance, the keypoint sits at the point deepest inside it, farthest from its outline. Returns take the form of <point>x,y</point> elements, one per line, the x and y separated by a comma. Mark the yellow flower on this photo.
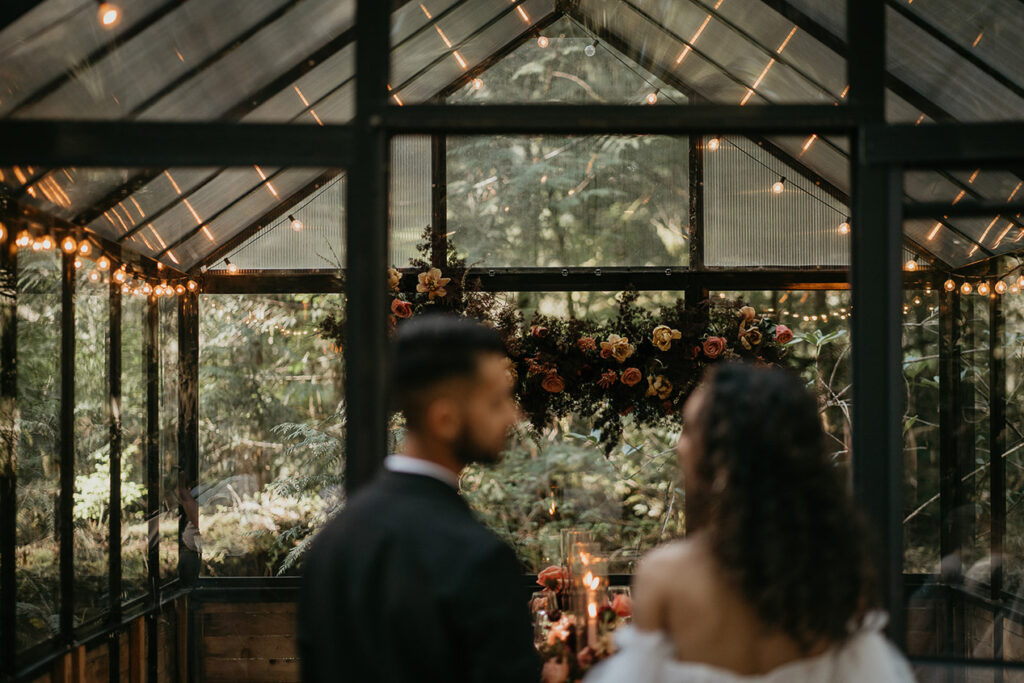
<point>432,284</point>
<point>659,386</point>
<point>663,336</point>
<point>617,347</point>
<point>394,278</point>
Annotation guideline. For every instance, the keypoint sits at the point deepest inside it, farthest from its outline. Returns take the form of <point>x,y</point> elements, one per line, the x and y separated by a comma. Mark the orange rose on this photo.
<point>401,309</point>
<point>783,334</point>
<point>714,346</point>
<point>394,279</point>
<point>631,377</point>
<point>586,344</point>
<point>553,383</point>
<point>539,331</point>
<point>608,378</point>
<point>553,578</point>
<point>622,605</point>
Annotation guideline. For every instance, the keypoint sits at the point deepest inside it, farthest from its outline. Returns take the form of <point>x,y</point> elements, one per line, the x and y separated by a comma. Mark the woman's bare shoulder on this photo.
<point>667,576</point>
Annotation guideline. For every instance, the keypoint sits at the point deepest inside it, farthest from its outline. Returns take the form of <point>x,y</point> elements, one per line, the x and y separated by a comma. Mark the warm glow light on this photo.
<point>477,83</point>
<point>109,14</point>
<point>844,227</point>
<point>1014,289</point>
<point>103,263</point>
<point>24,239</point>
<point>590,50</point>
<point>126,289</point>
<point>1020,282</point>
<point>37,245</point>
<point>120,275</point>
<point>949,285</point>
<point>193,285</point>
<point>652,98</point>
<point>180,289</point>
<point>713,143</point>
<point>1000,287</point>
<point>296,223</point>
<point>910,265</point>
<point>78,263</point>
<point>94,276</point>
<point>232,268</point>
<point>69,245</point>
<point>779,185</point>
<point>542,41</point>
<point>84,248</point>
<point>147,289</point>
<point>966,288</point>
<point>592,609</point>
<point>984,289</point>
<point>587,578</point>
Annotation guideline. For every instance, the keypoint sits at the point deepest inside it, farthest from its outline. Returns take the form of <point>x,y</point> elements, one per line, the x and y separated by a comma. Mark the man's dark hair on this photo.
<point>781,524</point>
<point>432,349</point>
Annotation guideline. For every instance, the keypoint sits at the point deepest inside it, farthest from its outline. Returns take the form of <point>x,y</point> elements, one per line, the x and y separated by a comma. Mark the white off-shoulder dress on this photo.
<point>648,657</point>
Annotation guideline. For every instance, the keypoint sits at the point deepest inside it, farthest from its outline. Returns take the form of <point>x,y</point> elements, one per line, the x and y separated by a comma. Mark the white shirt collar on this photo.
<point>424,468</point>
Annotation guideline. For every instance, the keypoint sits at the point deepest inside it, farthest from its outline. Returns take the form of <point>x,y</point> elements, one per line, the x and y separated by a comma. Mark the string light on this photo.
<point>109,14</point>
<point>103,263</point>
<point>966,288</point>
<point>713,143</point>
<point>84,248</point>
<point>120,275</point>
<point>180,289</point>
<point>984,289</point>
<point>949,285</point>
<point>3,231</point>
<point>193,285</point>
<point>910,265</point>
<point>47,243</point>
<point>652,98</point>
<point>478,83</point>
<point>542,41</point>
<point>590,50</point>
<point>126,289</point>
<point>232,268</point>
<point>1000,287</point>
<point>37,245</point>
<point>69,245</point>
<point>844,227</point>
<point>94,276</point>
<point>1014,289</point>
<point>1020,282</point>
<point>917,301</point>
<point>295,222</point>
<point>779,185</point>
<point>147,289</point>
<point>24,239</point>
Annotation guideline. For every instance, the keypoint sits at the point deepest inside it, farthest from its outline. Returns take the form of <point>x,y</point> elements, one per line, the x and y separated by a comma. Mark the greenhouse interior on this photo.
<point>213,214</point>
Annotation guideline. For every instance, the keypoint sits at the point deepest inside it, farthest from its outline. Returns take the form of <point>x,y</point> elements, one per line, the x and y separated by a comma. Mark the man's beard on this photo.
<point>468,451</point>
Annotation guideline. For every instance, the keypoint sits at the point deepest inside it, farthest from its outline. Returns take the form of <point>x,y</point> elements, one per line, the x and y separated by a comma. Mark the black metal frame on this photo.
<point>880,155</point>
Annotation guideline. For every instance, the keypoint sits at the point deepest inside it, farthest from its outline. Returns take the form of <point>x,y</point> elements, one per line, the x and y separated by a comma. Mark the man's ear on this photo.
<point>443,418</point>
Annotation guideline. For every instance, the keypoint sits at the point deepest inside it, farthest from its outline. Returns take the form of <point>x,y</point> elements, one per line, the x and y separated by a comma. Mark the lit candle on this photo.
<point>592,623</point>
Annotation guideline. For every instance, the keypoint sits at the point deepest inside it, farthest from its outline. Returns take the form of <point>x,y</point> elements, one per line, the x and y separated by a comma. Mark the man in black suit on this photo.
<point>405,584</point>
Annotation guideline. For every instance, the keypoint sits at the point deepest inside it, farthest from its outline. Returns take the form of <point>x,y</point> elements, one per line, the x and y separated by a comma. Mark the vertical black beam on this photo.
<point>115,437</point>
<point>151,350</point>
<point>997,463</point>
<point>696,294</point>
<point>8,448</point>
<point>950,419</point>
<point>65,506</point>
<point>439,200</point>
<point>366,253</point>
<point>188,395</point>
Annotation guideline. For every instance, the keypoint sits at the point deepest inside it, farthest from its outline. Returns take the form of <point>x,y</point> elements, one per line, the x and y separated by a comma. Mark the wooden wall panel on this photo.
<point>248,642</point>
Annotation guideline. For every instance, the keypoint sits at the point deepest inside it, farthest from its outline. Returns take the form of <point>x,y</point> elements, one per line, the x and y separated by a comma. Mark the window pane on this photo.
<point>168,334</point>
<point>39,310</point>
<point>134,524</point>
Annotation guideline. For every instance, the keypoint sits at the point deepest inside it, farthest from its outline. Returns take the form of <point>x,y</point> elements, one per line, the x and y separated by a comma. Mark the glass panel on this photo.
<point>577,201</point>
<point>760,209</point>
<point>270,429</point>
<point>38,357</point>
<point>134,523</point>
<point>92,448</point>
<point>169,511</point>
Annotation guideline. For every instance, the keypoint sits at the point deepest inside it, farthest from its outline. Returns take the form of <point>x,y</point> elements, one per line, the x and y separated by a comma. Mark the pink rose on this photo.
<point>401,309</point>
<point>714,346</point>
<point>631,377</point>
<point>586,344</point>
<point>622,605</point>
<point>783,334</point>
<point>553,578</point>
<point>538,331</point>
<point>553,383</point>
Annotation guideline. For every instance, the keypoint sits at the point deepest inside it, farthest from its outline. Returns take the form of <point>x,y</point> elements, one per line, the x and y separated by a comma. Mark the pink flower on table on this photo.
<point>553,578</point>
<point>586,344</point>
<point>432,284</point>
<point>622,605</point>
<point>401,309</point>
<point>783,334</point>
<point>617,347</point>
<point>538,331</point>
<point>714,346</point>
<point>631,377</point>
<point>608,379</point>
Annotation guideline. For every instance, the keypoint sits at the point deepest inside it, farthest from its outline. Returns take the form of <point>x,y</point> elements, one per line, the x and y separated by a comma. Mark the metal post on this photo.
<point>439,200</point>
<point>151,350</point>
<point>997,462</point>
<point>188,395</point>
<point>8,449</point>
<point>698,292</point>
<point>65,506</point>
<point>366,253</point>
<point>950,417</point>
<point>114,415</point>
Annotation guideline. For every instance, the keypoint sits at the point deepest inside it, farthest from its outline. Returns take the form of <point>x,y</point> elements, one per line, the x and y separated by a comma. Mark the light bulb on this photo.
<point>844,227</point>
<point>590,50</point>
<point>296,223</point>
<point>109,14</point>
<point>126,289</point>
<point>37,245</point>
<point>477,83</point>
<point>94,276</point>
<point>910,265</point>
<point>147,289</point>
<point>966,288</point>
<point>713,143</point>
<point>949,285</point>
<point>103,263</point>
<point>542,41</point>
<point>652,98</point>
<point>24,239</point>
<point>917,301</point>
<point>78,263</point>
<point>120,275</point>
<point>180,289</point>
<point>47,243</point>
<point>1000,287</point>
<point>84,248</point>
<point>1014,289</point>
<point>984,289</point>
<point>779,186</point>
<point>232,268</point>
<point>193,285</point>
<point>159,265</point>
<point>69,245</point>
<point>1020,282</point>
<point>3,232</point>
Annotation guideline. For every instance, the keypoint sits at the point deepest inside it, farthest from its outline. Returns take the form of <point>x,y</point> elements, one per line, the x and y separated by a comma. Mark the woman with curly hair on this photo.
<point>773,581</point>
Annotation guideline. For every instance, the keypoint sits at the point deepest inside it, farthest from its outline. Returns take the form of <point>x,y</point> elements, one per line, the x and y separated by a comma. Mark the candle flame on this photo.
<point>588,578</point>
<point>592,609</point>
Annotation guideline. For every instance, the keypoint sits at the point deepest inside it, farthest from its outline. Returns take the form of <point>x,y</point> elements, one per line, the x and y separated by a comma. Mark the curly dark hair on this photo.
<point>778,516</point>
